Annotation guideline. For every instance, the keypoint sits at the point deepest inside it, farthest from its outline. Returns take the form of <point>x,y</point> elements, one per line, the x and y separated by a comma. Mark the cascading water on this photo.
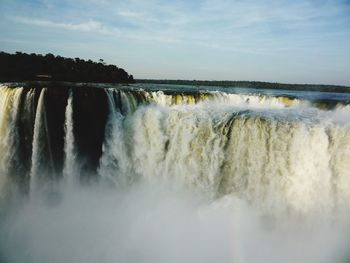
<point>38,143</point>
<point>282,151</point>
<point>70,170</point>
<point>9,105</point>
<point>266,159</point>
<point>114,163</point>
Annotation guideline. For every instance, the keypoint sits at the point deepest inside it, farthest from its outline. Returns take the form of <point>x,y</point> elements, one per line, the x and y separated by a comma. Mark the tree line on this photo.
<point>26,67</point>
<point>251,84</point>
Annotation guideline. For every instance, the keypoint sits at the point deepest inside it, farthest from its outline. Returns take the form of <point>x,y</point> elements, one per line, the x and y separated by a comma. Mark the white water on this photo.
<point>220,178</point>
<point>39,132</point>
<point>8,136</point>
<point>238,100</point>
<point>286,159</point>
<point>71,168</point>
<point>114,163</point>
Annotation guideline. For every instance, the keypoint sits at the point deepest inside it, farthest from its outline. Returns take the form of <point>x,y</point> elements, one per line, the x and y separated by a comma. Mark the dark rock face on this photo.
<point>55,106</point>
<point>90,111</point>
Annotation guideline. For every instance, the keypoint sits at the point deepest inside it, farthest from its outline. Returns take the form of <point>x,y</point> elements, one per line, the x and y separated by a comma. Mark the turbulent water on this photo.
<point>173,174</point>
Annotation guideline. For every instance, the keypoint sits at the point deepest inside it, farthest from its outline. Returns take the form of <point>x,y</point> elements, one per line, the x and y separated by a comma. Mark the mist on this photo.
<point>163,223</point>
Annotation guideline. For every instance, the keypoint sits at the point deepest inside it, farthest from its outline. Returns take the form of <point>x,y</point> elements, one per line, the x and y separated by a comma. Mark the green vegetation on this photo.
<point>28,67</point>
<point>251,84</point>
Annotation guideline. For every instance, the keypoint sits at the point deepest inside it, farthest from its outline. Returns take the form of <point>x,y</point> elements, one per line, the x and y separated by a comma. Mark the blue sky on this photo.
<point>289,41</point>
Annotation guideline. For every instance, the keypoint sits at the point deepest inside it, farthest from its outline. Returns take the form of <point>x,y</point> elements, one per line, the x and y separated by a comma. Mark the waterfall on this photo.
<point>38,144</point>
<point>286,163</point>
<point>70,169</point>
<point>276,152</point>
<point>114,163</point>
<point>9,107</point>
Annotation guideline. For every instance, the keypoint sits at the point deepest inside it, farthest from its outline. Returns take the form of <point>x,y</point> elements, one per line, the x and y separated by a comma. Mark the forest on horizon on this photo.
<point>28,67</point>
<point>250,84</point>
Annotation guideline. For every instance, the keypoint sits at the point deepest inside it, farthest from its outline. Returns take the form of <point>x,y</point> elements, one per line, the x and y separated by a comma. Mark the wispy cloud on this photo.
<point>249,25</point>
<point>129,14</point>
<point>269,24</point>
<point>92,26</point>
<point>88,26</point>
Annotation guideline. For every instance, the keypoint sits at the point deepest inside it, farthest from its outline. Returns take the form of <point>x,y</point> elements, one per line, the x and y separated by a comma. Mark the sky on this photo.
<point>290,41</point>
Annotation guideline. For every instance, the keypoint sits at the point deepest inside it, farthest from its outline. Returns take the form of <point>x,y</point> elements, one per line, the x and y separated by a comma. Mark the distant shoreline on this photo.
<point>251,84</point>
